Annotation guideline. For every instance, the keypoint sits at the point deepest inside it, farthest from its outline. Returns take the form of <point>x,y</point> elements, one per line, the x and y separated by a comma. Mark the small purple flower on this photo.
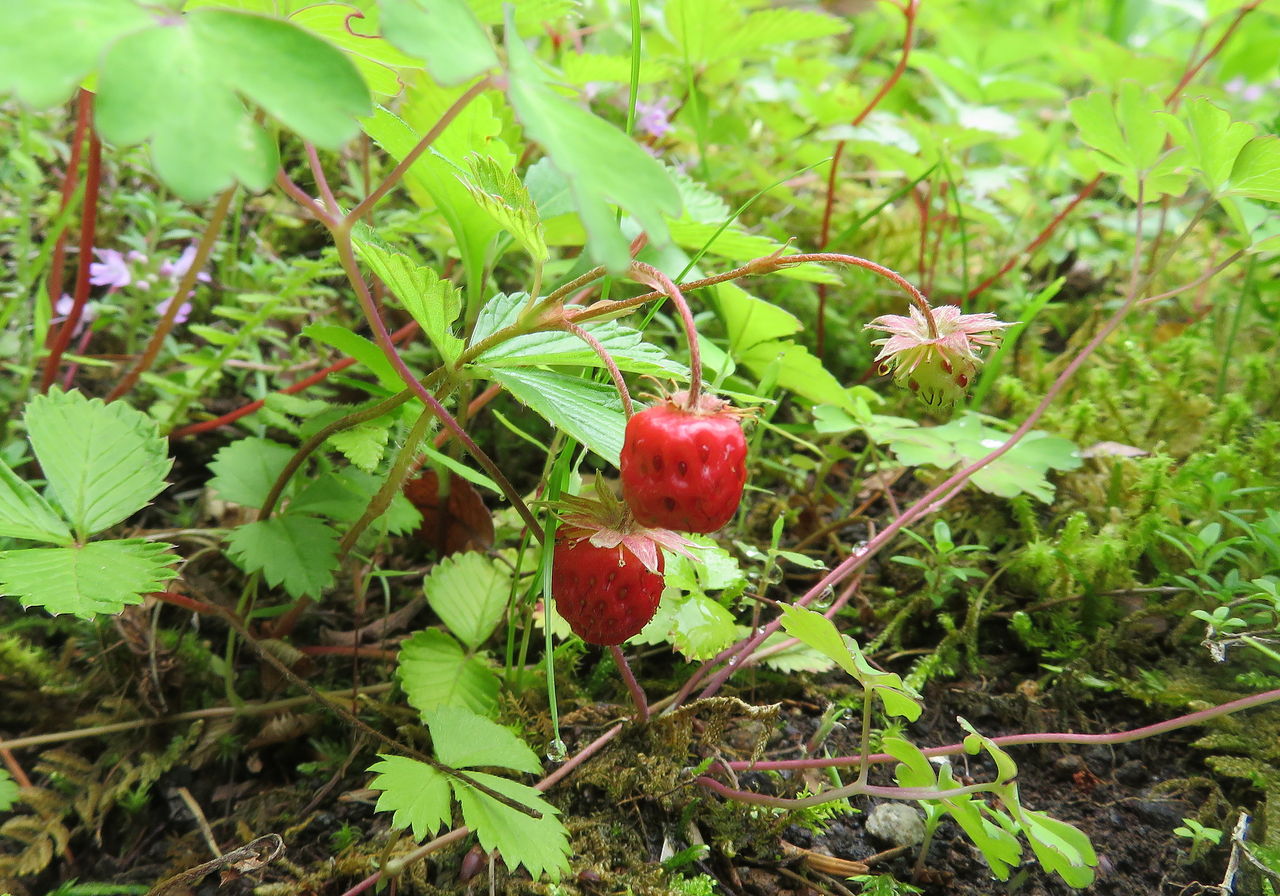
<point>62,308</point>
<point>654,118</point>
<point>111,269</point>
<point>184,311</point>
<point>176,270</point>
<point>1238,86</point>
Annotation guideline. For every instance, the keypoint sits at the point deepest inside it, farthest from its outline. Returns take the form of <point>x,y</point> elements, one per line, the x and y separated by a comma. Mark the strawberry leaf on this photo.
<point>416,794</point>
<point>590,412</point>
<point>434,303</point>
<point>8,791</point>
<point>86,580</point>
<point>539,844</point>
<point>465,740</point>
<point>25,514</point>
<point>445,33</point>
<point>245,471</point>
<point>300,552</point>
<point>469,593</point>
<point>435,672</point>
<point>104,462</point>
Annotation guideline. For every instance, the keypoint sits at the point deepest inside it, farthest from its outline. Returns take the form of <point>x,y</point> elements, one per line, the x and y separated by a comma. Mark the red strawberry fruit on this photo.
<point>684,467</point>
<point>606,575</point>
<point>605,594</point>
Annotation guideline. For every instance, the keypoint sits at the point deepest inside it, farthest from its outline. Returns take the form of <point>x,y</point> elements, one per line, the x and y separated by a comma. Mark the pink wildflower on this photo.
<point>175,270</point>
<point>654,118</point>
<point>939,366</point>
<point>111,269</point>
<point>184,310</point>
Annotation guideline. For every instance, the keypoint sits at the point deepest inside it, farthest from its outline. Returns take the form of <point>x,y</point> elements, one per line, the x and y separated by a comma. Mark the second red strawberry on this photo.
<point>684,468</point>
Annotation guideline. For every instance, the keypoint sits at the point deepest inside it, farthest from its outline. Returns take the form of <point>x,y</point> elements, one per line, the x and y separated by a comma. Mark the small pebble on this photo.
<point>896,824</point>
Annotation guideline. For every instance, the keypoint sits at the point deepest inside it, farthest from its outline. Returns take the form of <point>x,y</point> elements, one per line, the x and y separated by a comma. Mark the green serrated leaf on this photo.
<point>700,628</point>
<point>444,33</point>
<point>1211,138</point>
<point>1256,172</point>
<point>434,671</point>
<point>8,791</point>
<point>299,552</point>
<point>711,30</point>
<point>416,794</point>
<point>463,739</point>
<point>103,462</point>
<point>86,580</point>
<point>245,471</point>
<point>61,42</point>
<point>25,514</point>
<point>434,303</point>
<point>590,412</point>
<point>468,591</point>
<point>344,495</point>
<point>795,658</point>
<point>558,348</point>
<point>364,444</point>
<point>1023,469</point>
<point>503,196</point>
<point>539,844</point>
<point>576,142</point>
<point>203,138</point>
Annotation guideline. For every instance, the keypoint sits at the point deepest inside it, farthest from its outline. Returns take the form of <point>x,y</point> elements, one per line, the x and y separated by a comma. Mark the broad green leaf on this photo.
<point>463,739</point>
<point>245,471</point>
<point>8,791</point>
<point>416,794</point>
<point>701,628</point>
<point>25,514</point>
<point>539,844</point>
<point>798,657</point>
<point>103,462</point>
<point>559,348</point>
<point>360,348</point>
<point>590,412</point>
<point>87,580</point>
<point>349,28</point>
<point>1023,469</point>
<point>914,769</point>
<point>749,320</point>
<point>203,138</point>
<point>434,671</point>
<point>299,552</point>
<point>468,591</point>
<point>503,196</point>
<point>434,303</point>
<point>606,166</point>
<point>795,369</point>
<point>711,568</point>
<point>1059,847</point>
<point>1256,173</point>
<point>444,33</point>
<point>1129,129</point>
<point>1212,139</point>
<point>52,45</point>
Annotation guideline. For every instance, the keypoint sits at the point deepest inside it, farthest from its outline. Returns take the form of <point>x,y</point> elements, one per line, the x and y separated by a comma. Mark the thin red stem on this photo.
<point>611,365</point>
<point>88,232</point>
<point>633,686</point>
<point>70,178</point>
<point>305,383</point>
<point>651,276</point>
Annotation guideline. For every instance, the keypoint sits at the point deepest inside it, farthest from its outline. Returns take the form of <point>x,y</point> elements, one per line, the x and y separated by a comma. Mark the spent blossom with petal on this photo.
<point>937,363</point>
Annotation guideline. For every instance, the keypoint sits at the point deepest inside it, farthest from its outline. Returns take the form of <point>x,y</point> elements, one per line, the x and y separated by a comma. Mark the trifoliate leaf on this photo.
<point>468,591</point>
<point>86,580</point>
<point>103,462</point>
<point>577,142</point>
<point>539,844</point>
<point>435,672</point>
<point>463,739</point>
<point>203,138</point>
<point>416,794</point>
<point>245,471</point>
<point>299,552</point>
<point>25,514</point>
<point>365,443</point>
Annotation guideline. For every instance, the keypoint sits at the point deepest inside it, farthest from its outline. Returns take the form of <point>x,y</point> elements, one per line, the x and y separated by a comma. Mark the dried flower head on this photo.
<point>936,362</point>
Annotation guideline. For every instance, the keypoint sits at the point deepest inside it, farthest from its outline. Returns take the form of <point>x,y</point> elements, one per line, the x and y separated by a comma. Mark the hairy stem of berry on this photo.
<point>651,276</point>
<point>637,692</point>
<point>612,366</point>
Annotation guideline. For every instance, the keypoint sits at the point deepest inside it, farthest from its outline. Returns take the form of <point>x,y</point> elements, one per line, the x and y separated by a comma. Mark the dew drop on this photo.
<point>557,751</point>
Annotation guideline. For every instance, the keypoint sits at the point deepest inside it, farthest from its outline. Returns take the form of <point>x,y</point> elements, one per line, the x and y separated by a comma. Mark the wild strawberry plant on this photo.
<point>509,210</point>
